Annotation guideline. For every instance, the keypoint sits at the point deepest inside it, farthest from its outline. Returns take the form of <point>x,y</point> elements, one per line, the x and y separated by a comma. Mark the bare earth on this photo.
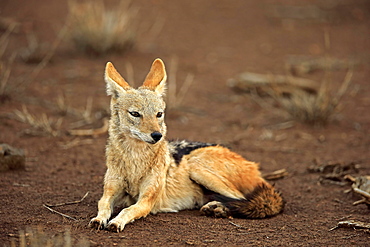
<point>214,41</point>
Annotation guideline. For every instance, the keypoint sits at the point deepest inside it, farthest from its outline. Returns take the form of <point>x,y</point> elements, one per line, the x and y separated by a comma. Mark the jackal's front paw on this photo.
<point>98,223</point>
<point>114,226</point>
<point>216,209</point>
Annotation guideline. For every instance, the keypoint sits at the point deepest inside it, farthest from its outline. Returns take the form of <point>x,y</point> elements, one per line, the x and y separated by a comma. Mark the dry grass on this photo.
<point>39,238</point>
<point>97,30</point>
<point>315,109</point>
<point>41,125</point>
<point>85,115</point>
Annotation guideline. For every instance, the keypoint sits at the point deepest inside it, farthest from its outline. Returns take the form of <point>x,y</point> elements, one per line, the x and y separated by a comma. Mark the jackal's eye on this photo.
<point>159,114</point>
<point>134,113</point>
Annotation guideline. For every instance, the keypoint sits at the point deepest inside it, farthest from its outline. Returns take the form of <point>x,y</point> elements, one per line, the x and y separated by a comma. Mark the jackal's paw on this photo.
<point>97,223</point>
<point>115,226</point>
<point>216,209</point>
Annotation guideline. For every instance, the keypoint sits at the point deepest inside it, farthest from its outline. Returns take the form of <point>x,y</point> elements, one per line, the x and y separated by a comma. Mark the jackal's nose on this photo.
<point>156,136</point>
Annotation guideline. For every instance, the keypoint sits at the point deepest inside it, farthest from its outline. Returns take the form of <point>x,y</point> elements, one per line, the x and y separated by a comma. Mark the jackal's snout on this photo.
<point>156,136</point>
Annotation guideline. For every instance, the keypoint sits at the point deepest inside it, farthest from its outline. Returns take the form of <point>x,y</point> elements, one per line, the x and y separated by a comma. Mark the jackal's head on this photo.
<point>138,113</point>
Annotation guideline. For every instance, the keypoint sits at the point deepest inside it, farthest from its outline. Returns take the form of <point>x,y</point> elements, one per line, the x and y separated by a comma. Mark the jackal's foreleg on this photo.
<point>151,190</point>
<point>112,191</point>
<point>141,209</point>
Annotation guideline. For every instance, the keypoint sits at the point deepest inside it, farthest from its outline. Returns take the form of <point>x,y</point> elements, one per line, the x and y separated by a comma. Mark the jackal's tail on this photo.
<point>264,201</point>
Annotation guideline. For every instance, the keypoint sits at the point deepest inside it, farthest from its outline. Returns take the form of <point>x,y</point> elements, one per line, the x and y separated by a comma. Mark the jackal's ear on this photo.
<point>115,82</point>
<point>156,78</point>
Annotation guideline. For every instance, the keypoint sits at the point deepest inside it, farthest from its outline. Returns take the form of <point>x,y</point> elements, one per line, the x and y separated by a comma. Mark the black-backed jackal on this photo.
<point>148,174</point>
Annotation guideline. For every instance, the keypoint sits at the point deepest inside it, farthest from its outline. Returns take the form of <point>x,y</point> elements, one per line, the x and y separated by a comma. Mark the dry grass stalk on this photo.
<point>63,107</point>
<point>35,51</point>
<point>176,97</point>
<point>41,125</point>
<point>5,67</point>
<point>97,30</point>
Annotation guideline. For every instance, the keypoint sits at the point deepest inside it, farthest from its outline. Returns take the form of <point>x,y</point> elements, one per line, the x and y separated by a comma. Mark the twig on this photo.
<point>351,224</point>
<point>239,226</point>
<point>64,215</point>
<point>276,174</point>
<point>91,132</point>
<point>76,142</point>
<point>300,65</point>
<point>68,203</point>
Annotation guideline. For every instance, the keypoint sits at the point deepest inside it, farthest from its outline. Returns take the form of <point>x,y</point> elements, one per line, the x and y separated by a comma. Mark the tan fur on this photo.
<point>143,176</point>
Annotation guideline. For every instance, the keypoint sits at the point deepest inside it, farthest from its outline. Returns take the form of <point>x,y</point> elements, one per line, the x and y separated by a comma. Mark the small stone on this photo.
<point>11,158</point>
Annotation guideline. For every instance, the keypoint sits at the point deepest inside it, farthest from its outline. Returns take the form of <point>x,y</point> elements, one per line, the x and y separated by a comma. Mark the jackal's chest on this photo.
<point>133,174</point>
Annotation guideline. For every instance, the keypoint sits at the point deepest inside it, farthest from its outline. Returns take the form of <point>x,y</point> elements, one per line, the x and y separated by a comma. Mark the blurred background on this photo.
<point>284,83</point>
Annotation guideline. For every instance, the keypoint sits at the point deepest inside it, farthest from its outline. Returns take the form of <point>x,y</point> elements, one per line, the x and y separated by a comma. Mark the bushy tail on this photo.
<point>264,201</point>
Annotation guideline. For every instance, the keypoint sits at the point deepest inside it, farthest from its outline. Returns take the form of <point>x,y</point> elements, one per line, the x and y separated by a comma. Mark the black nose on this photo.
<point>156,136</point>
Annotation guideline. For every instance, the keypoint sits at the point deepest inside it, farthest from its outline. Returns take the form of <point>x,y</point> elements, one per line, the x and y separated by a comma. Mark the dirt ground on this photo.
<point>214,41</point>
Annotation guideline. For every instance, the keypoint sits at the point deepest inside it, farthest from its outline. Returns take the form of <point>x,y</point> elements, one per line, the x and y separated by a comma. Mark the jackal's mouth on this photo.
<point>152,139</point>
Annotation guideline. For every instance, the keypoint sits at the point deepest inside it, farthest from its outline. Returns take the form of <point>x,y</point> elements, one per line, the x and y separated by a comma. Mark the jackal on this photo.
<point>148,174</point>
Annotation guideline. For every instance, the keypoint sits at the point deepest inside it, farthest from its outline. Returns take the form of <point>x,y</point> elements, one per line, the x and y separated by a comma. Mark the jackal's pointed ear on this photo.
<point>115,82</point>
<point>156,78</point>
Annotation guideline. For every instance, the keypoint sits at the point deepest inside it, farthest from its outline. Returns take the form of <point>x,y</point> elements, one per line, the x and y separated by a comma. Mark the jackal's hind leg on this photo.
<point>214,182</point>
<point>216,209</point>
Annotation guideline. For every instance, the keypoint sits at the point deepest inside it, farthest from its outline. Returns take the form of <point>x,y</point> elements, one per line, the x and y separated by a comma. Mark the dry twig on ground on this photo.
<point>334,172</point>
<point>351,224</point>
<point>57,212</point>
<point>76,142</point>
<point>264,84</point>
<point>49,207</point>
<point>301,65</point>
<point>68,203</point>
<point>361,186</point>
<point>91,132</point>
<point>278,174</point>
